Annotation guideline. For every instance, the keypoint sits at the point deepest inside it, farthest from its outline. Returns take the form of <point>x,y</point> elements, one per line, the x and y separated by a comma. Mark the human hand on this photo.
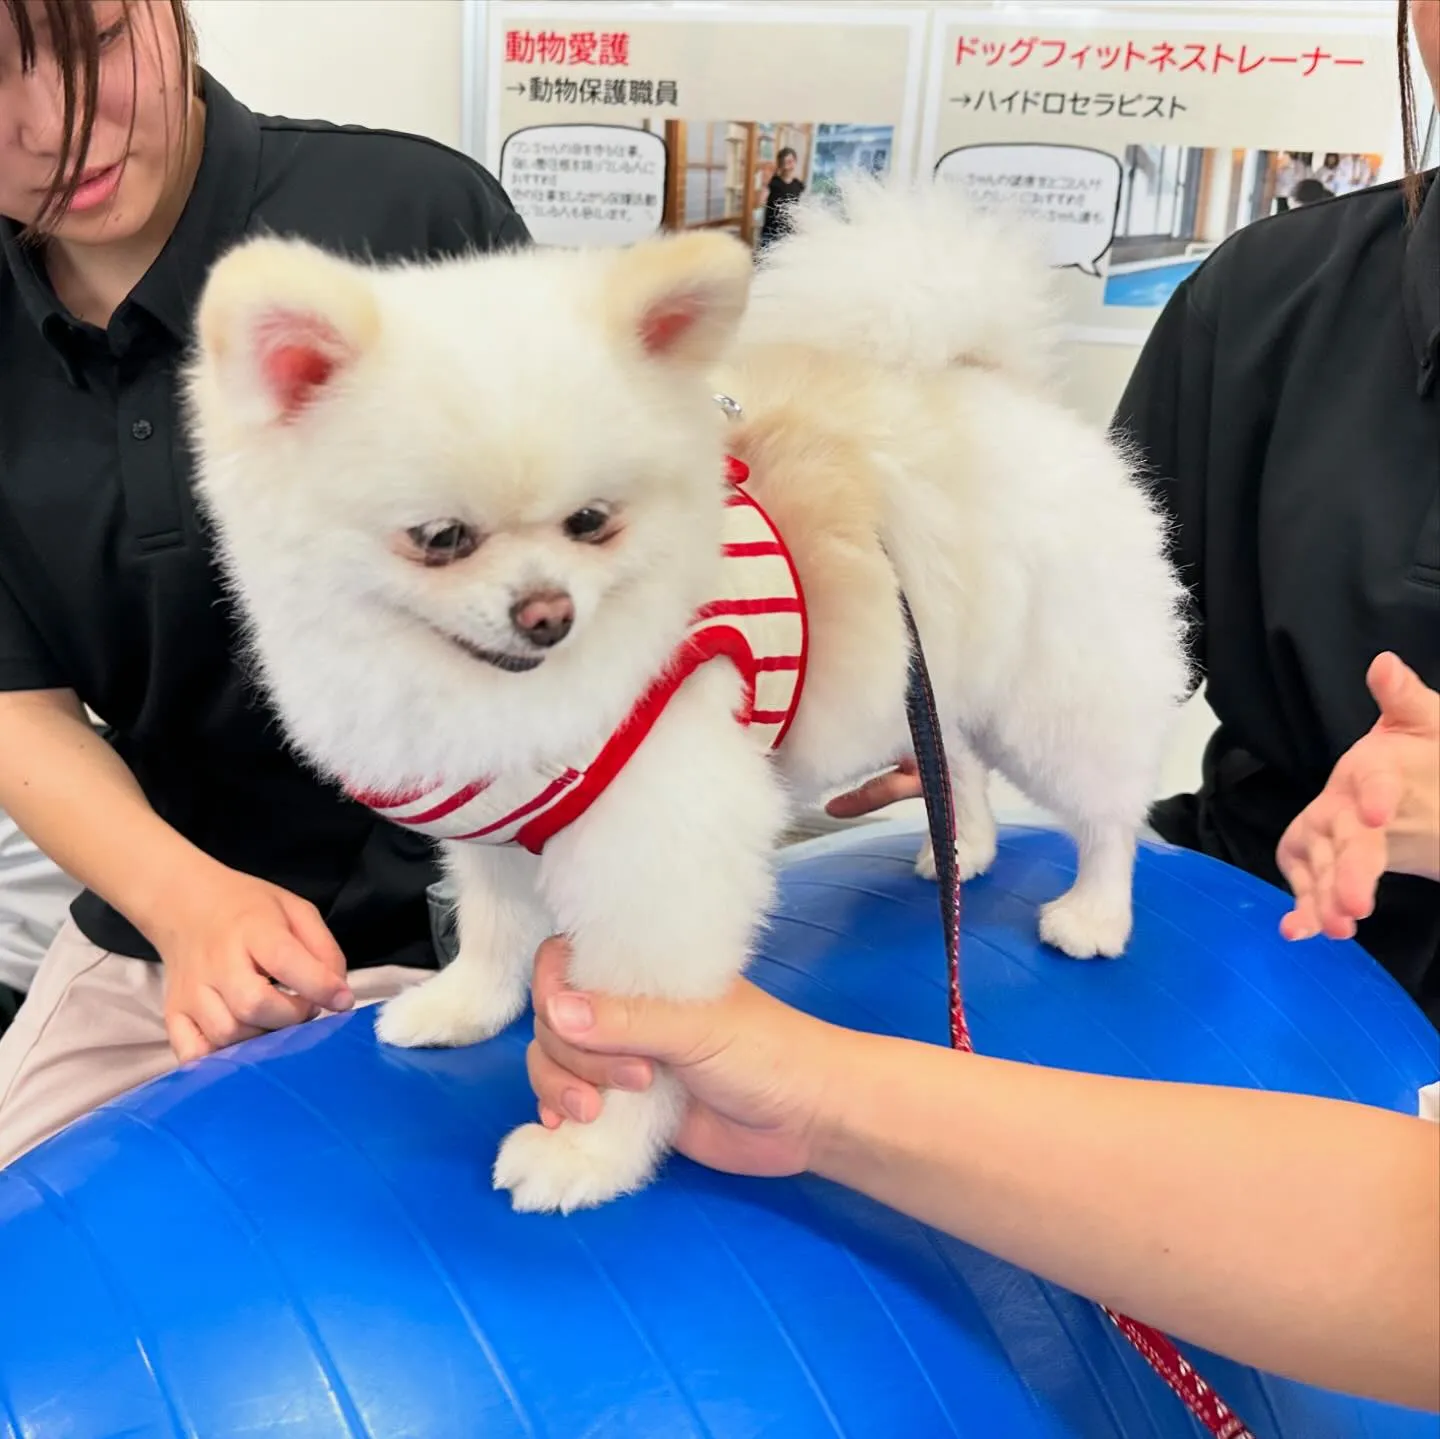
<point>754,1069</point>
<point>223,941</point>
<point>902,782</point>
<point>1379,811</point>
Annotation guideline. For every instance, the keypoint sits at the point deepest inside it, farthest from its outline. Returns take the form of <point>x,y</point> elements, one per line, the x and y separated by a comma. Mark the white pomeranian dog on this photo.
<point>505,581</point>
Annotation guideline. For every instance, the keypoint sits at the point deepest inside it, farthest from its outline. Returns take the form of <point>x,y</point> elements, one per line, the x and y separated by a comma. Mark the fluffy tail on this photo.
<point>910,277</point>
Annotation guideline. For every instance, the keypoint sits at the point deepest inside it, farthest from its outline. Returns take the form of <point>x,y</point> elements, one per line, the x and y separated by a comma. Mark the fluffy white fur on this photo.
<point>898,417</point>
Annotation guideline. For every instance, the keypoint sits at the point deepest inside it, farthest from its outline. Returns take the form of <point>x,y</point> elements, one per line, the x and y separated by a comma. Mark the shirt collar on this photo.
<point>24,263</point>
<point>215,216</point>
<point>1422,283</point>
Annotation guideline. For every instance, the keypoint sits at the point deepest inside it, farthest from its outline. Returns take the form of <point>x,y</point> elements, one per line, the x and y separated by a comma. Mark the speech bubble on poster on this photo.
<point>1068,196</point>
<point>586,185</point>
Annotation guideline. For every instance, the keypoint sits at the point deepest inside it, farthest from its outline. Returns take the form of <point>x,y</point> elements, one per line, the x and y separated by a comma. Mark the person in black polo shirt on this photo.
<point>1287,405</point>
<point>201,841</point>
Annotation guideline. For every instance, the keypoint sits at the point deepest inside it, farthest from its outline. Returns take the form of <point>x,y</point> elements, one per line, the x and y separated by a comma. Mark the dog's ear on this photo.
<point>279,321</point>
<point>680,298</point>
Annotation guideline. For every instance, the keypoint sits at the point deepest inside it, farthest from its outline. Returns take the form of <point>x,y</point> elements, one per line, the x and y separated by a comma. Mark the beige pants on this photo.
<point>92,1027</point>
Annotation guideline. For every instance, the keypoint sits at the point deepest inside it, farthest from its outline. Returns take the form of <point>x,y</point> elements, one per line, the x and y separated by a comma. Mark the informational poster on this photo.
<point>609,122</point>
<point>1131,141</point>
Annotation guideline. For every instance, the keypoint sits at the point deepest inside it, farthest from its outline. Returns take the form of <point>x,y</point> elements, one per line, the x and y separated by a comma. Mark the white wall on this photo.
<point>397,64</point>
<point>391,64</point>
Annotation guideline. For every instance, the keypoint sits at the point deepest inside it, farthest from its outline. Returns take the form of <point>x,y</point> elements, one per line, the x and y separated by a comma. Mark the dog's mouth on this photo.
<point>511,664</point>
<point>497,659</point>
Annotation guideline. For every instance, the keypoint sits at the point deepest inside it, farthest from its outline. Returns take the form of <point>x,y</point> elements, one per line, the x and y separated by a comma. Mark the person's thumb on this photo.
<point>1405,702</point>
<point>610,1024</point>
<point>307,925</point>
<point>883,790</point>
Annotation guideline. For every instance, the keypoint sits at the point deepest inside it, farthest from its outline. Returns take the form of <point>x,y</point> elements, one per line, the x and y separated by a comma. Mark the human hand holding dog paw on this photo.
<point>754,1071</point>
<point>1379,811</point>
<point>902,782</point>
<point>224,940</point>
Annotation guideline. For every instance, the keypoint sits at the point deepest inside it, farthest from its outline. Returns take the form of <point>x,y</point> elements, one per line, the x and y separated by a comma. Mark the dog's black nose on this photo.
<point>544,618</point>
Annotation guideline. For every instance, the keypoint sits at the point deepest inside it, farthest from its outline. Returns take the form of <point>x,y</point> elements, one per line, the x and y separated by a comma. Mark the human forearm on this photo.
<point>1300,1235</point>
<point>75,797</point>
<point>1297,1234</point>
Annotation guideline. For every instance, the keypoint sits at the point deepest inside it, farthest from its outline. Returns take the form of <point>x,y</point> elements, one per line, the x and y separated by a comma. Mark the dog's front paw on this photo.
<point>458,1006</point>
<point>1085,927</point>
<point>566,1168</point>
<point>421,1019</point>
<point>974,854</point>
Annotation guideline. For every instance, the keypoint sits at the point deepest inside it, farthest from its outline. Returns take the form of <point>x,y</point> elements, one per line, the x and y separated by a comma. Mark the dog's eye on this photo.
<point>442,542</point>
<point>588,524</point>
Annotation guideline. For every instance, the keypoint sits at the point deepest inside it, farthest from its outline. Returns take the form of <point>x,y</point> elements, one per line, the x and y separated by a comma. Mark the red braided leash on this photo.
<point>1157,1349</point>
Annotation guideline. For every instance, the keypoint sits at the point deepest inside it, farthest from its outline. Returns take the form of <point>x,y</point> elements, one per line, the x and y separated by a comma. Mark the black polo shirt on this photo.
<point>1287,404</point>
<point>107,581</point>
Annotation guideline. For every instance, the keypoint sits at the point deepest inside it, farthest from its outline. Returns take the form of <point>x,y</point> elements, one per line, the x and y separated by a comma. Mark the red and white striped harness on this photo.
<point>756,621</point>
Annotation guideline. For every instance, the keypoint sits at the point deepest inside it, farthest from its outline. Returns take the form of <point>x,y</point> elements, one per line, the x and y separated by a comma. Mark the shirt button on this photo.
<point>142,429</point>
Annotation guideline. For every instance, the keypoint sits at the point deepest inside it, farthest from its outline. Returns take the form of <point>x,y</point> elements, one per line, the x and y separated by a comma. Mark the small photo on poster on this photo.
<point>841,150</point>
<point>743,176</point>
<point>1177,203</point>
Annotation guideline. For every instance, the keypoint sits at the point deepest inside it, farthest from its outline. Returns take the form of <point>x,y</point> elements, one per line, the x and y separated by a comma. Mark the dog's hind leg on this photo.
<point>1093,917</point>
<point>975,836</point>
<point>1097,783</point>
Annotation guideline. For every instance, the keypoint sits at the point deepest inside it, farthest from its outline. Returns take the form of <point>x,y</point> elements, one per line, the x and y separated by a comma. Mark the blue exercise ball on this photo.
<point>298,1237</point>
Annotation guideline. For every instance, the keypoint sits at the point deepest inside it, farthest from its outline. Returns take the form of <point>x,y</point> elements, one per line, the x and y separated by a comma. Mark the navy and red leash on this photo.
<point>928,740</point>
<point>1158,1350</point>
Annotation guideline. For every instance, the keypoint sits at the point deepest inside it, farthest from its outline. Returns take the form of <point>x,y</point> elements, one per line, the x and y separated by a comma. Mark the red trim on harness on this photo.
<point>446,806</point>
<point>781,605</point>
<point>711,644</point>
<point>544,797</point>
<point>804,659</point>
<point>753,548</point>
<point>395,799</point>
